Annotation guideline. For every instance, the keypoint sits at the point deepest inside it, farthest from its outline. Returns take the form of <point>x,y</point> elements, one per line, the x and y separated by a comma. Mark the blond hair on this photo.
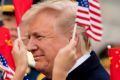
<point>66,16</point>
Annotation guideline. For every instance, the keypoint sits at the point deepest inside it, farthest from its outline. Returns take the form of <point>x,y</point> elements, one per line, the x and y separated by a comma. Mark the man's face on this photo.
<point>44,42</point>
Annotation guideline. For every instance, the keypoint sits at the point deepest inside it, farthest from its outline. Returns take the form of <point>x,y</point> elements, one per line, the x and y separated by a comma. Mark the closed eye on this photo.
<point>38,36</point>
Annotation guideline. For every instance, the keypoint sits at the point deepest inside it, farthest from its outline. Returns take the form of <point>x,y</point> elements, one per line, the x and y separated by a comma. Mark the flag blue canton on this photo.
<point>3,61</point>
<point>83,3</point>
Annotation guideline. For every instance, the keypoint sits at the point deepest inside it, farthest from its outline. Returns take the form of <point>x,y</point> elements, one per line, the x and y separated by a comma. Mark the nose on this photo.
<point>31,46</point>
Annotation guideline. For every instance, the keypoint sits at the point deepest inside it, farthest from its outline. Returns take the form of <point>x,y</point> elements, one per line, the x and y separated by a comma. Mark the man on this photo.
<point>50,29</point>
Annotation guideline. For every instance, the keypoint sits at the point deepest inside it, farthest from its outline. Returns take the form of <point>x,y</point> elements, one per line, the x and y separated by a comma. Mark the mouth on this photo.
<point>38,58</point>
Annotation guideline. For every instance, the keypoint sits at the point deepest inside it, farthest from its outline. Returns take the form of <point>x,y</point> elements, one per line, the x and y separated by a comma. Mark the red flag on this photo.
<point>6,59</point>
<point>114,54</point>
<point>21,6</point>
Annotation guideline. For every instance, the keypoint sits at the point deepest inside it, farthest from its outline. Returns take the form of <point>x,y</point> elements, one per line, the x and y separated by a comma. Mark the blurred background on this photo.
<point>111,23</point>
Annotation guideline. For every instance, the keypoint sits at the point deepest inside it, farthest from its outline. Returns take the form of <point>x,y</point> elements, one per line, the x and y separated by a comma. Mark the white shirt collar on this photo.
<point>80,61</point>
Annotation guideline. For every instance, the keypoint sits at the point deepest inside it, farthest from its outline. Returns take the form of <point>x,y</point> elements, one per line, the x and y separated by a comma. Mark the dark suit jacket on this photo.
<point>91,69</point>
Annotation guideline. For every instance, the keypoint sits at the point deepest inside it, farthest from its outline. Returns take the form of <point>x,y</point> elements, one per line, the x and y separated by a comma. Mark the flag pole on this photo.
<point>75,28</point>
<point>18,32</point>
<point>74,32</point>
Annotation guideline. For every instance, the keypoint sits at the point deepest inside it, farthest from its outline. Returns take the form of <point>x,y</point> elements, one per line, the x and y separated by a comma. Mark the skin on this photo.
<point>41,44</point>
<point>62,64</point>
<point>46,42</point>
<point>19,51</point>
<point>64,61</point>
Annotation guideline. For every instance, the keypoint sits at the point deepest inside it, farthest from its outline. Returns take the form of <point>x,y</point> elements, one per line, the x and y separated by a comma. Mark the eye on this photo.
<point>39,37</point>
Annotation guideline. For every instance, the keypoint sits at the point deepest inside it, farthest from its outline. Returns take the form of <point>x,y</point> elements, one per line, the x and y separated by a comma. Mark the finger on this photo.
<point>71,45</point>
<point>16,45</point>
<point>21,45</point>
<point>74,53</point>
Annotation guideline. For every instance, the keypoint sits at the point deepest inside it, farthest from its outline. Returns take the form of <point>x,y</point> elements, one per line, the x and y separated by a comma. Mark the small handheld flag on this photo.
<point>21,6</point>
<point>89,16</point>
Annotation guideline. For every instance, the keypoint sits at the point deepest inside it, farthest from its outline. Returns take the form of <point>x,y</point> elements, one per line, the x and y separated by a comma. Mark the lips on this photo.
<point>38,57</point>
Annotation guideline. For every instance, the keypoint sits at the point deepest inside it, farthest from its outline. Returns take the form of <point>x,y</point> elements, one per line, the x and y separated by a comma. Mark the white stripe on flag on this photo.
<point>96,23</point>
<point>83,15</point>
<point>82,21</point>
<point>97,30</point>
<point>9,76</point>
<point>83,9</point>
<point>94,3</point>
<point>95,16</point>
<point>93,35</point>
<point>95,10</point>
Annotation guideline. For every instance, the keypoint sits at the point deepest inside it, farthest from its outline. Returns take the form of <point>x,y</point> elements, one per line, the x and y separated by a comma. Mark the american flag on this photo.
<point>89,16</point>
<point>4,65</point>
<point>8,72</point>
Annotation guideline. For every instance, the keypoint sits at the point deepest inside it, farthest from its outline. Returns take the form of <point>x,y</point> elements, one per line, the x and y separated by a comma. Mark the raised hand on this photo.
<point>20,58</point>
<point>64,61</point>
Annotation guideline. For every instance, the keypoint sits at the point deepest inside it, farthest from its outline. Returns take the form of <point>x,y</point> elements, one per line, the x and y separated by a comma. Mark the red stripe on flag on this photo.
<point>97,7</point>
<point>80,17</point>
<point>98,34</point>
<point>97,27</point>
<point>82,24</point>
<point>94,19</point>
<point>83,11</point>
<point>92,37</point>
<point>95,13</point>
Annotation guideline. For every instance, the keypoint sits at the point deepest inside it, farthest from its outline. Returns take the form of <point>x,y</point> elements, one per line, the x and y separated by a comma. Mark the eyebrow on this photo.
<point>36,34</point>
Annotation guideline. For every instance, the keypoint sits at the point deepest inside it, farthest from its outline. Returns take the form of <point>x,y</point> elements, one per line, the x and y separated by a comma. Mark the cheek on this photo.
<point>49,52</point>
<point>51,47</point>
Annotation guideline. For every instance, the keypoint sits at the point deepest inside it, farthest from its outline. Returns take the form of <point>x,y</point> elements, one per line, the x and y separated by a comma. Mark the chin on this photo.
<point>41,67</point>
<point>44,68</point>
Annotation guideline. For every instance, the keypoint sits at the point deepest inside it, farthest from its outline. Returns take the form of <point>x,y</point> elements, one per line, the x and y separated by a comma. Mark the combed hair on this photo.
<point>65,18</point>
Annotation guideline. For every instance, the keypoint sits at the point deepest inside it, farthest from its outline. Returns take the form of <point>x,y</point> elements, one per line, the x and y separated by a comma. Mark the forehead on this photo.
<point>43,22</point>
